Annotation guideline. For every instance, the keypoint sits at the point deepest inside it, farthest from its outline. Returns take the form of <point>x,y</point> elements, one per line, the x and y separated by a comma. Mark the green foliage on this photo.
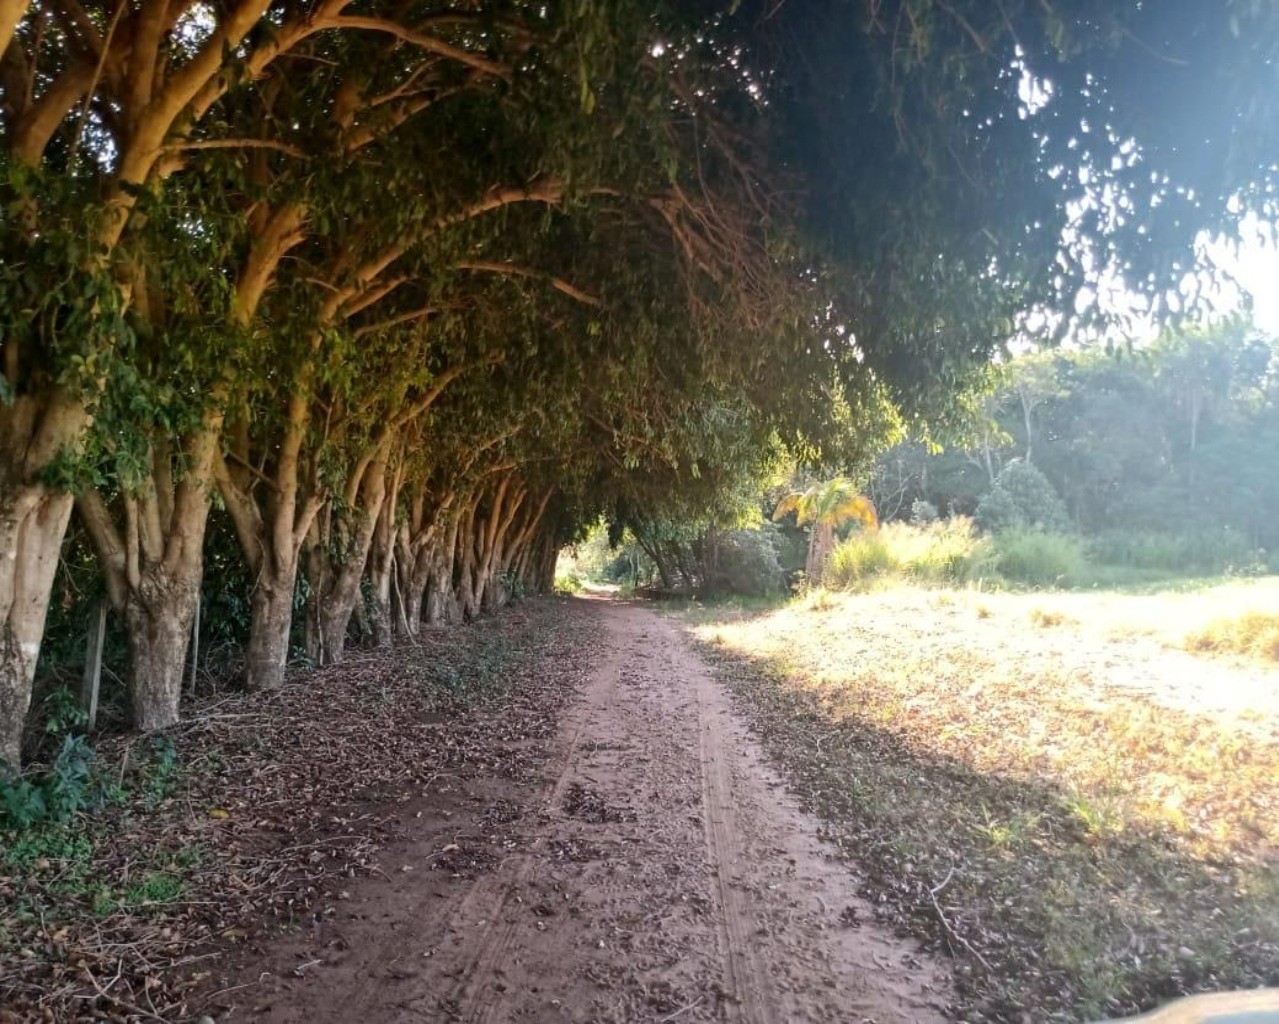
<point>61,712</point>
<point>745,562</point>
<point>861,558</point>
<point>160,773</point>
<point>923,512</point>
<point>68,787</point>
<point>945,551</point>
<point>1021,498</point>
<point>569,583</point>
<point>1164,455</point>
<point>1206,551</point>
<point>1037,557</point>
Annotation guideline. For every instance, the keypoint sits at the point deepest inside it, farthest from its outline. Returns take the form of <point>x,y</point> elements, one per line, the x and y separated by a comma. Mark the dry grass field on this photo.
<point>1073,792</point>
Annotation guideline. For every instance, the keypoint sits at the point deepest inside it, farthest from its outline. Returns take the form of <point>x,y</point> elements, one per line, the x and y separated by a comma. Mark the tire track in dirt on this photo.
<point>476,997</point>
<point>650,870</point>
<point>752,1004</point>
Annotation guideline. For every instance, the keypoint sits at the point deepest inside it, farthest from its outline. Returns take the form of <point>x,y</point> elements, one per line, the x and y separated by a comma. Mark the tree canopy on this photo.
<point>419,289</point>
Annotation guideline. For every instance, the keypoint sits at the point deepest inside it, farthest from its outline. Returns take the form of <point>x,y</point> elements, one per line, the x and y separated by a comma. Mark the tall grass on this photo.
<point>952,551</point>
<point>1208,551</point>
<point>941,552</point>
<point>1038,557</point>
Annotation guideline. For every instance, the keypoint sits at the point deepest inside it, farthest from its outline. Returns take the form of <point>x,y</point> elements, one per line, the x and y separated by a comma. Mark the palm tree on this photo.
<point>826,506</point>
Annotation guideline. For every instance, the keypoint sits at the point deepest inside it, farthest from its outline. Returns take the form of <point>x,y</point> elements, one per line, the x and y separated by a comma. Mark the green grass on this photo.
<point>941,552</point>
<point>1037,557</point>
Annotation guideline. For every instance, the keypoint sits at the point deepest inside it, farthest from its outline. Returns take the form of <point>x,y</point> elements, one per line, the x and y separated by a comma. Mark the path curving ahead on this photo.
<point>656,871</point>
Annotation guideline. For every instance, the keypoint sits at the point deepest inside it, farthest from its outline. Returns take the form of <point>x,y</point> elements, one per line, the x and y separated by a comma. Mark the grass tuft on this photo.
<point>1253,634</point>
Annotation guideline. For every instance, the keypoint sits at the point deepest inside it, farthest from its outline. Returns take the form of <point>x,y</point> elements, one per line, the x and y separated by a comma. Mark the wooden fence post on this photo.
<point>195,645</point>
<point>93,665</point>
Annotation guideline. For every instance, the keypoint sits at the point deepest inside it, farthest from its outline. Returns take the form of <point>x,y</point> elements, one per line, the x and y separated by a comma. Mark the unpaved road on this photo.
<point>656,870</point>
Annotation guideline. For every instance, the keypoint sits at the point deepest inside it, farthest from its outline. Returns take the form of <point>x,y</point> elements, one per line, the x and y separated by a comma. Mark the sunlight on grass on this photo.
<point>1253,634</point>
<point>1100,802</point>
<point>1072,700</point>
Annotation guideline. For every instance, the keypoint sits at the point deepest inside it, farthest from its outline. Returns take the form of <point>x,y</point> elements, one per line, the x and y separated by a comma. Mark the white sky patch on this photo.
<point>1253,261</point>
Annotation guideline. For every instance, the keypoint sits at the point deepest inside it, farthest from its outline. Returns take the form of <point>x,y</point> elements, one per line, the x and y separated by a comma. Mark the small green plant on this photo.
<point>569,583</point>
<point>68,786</point>
<point>155,887</point>
<point>1037,557</point>
<point>160,773</point>
<point>62,712</point>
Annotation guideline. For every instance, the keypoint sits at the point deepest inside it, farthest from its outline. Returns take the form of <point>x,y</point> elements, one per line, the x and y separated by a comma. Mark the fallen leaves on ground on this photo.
<point>282,797</point>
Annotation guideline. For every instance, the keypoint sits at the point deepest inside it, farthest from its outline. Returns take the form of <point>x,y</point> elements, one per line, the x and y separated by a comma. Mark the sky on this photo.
<point>1256,266</point>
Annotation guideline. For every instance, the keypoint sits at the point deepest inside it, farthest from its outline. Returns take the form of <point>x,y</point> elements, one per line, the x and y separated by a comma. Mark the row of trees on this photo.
<point>414,290</point>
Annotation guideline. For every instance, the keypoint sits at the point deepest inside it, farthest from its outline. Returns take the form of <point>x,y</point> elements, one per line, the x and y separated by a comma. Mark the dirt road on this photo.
<point>655,870</point>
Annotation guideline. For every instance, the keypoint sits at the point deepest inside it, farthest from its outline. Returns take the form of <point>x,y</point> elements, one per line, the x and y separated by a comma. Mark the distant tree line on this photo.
<point>1179,437</point>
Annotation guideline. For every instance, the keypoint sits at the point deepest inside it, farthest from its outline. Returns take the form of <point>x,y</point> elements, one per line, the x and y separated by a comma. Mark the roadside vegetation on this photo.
<point>325,327</point>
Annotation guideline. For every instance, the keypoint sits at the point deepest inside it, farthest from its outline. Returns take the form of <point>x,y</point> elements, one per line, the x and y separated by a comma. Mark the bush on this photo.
<point>1020,498</point>
<point>1212,551</point>
<point>568,583</point>
<point>923,512</point>
<point>859,559</point>
<point>67,787</point>
<point>940,552</point>
<point>746,562</point>
<point>1037,557</point>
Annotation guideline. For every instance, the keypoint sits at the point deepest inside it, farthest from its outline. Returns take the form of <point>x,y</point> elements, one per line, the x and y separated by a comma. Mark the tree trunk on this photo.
<point>820,542</point>
<point>33,521</point>
<point>329,608</point>
<point>382,564</point>
<point>34,430</point>
<point>153,564</point>
<point>335,570</point>
<point>550,556</point>
<point>464,559</point>
<point>158,618</point>
<point>442,605</point>
<point>272,620</point>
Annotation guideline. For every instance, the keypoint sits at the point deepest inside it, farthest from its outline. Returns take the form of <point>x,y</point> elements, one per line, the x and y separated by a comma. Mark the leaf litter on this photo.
<point>283,798</point>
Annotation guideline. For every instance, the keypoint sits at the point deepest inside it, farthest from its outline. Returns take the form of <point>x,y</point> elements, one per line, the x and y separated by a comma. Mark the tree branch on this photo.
<point>193,144</point>
<point>515,270</point>
<point>422,41</point>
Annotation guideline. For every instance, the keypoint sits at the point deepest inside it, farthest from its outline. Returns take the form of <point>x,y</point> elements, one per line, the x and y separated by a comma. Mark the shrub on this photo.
<point>1037,556</point>
<point>942,552</point>
<point>568,583</point>
<point>1211,551</point>
<point>67,787</point>
<point>923,512</point>
<point>859,559</point>
<point>746,562</point>
<point>1022,497</point>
